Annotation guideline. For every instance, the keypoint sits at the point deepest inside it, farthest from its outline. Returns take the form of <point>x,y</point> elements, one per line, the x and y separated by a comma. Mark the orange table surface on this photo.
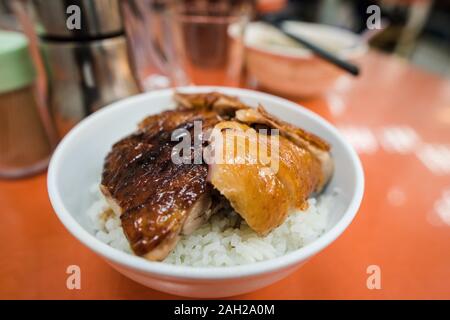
<point>398,118</point>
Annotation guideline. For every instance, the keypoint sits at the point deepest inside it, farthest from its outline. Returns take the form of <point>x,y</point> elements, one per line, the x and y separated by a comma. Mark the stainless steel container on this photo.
<point>99,18</point>
<point>85,76</point>
<point>88,67</point>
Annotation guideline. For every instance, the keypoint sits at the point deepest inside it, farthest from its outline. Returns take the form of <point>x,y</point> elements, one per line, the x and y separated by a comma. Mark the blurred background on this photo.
<point>150,44</point>
<point>418,30</point>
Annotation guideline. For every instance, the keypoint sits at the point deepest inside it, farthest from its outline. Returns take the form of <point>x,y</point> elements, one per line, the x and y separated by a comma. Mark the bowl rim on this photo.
<point>358,49</point>
<point>188,272</point>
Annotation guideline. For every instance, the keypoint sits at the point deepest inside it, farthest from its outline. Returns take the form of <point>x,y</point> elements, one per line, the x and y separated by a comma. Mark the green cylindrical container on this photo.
<point>24,144</point>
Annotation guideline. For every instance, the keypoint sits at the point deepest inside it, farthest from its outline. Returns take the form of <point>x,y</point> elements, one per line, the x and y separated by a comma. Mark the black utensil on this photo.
<point>324,54</point>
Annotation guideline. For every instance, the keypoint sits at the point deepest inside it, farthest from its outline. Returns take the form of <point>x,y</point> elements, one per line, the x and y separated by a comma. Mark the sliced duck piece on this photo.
<point>231,108</point>
<point>305,140</point>
<point>224,105</point>
<point>157,199</point>
<point>264,183</point>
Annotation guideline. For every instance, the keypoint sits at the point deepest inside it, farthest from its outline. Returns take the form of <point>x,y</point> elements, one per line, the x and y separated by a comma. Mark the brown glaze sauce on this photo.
<point>152,191</point>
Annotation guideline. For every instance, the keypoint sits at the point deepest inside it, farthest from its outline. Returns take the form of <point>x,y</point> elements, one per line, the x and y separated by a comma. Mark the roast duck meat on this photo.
<point>159,199</point>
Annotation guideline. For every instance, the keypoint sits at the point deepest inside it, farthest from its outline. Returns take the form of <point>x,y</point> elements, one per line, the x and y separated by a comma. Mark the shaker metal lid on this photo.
<point>16,67</point>
<point>77,19</point>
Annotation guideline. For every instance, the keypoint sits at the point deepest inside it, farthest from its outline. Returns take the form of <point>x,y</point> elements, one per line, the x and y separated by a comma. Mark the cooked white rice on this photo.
<point>218,243</point>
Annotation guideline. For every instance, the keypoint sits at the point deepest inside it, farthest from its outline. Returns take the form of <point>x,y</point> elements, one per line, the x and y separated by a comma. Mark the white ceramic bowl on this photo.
<point>77,164</point>
<point>281,66</point>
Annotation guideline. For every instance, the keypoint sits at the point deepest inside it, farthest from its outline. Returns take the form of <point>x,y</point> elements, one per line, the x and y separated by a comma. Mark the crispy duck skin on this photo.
<point>232,109</point>
<point>154,196</point>
<point>260,192</point>
<point>305,140</point>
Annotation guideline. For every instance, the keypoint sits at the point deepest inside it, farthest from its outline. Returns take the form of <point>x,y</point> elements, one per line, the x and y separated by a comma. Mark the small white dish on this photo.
<point>282,66</point>
<point>77,164</point>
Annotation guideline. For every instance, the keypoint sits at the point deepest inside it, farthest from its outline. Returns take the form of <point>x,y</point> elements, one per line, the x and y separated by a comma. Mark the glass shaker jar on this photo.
<point>25,147</point>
